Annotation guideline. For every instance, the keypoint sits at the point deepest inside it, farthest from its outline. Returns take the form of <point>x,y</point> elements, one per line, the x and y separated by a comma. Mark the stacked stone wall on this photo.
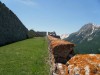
<point>64,62</point>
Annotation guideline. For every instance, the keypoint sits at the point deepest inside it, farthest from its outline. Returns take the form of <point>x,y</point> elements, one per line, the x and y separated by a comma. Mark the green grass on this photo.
<point>28,57</point>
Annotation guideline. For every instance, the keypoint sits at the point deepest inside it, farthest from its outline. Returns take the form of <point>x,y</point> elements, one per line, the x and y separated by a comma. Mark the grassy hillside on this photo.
<point>28,57</point>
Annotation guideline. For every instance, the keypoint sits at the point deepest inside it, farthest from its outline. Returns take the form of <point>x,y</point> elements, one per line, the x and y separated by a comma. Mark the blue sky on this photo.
<point>62,16</point>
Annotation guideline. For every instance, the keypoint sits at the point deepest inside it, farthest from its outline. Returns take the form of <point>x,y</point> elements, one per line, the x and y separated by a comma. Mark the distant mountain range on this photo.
<point>11,28</point>
<point>87,39</point>
<point>63,36</point>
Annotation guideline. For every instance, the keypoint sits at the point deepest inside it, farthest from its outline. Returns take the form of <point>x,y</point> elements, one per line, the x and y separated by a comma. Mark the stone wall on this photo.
<point>59,53</point>
<point>11,28</point>
<point>64,62</point>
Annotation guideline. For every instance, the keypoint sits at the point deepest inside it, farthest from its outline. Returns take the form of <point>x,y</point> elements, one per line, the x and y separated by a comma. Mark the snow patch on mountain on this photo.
<point>89,39</point>
<point>63,36</point>
<point>87,31</point>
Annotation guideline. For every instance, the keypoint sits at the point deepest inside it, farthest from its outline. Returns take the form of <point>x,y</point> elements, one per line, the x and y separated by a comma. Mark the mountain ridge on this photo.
<point>86,38</point>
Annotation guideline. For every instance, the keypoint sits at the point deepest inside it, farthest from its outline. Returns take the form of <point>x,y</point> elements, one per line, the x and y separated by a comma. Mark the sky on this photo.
<point>61,16</point>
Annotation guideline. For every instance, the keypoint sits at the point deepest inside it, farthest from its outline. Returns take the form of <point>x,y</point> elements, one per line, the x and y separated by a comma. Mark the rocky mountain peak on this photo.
<point>86,27</point>
<point>86,38</point>
<point>89,26</point>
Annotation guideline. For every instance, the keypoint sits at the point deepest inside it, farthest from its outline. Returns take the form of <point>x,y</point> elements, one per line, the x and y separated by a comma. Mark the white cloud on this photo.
<point>3,0</point>
<point>28,2</point>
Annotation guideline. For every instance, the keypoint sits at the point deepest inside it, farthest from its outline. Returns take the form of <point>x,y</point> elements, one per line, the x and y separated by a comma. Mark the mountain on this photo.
<point>11,28</point>
<point>87,39</point>
<point>63,36</point>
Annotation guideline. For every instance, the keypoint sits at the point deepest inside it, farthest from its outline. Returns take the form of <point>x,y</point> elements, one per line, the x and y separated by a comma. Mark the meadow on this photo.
<point>27,57</point>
